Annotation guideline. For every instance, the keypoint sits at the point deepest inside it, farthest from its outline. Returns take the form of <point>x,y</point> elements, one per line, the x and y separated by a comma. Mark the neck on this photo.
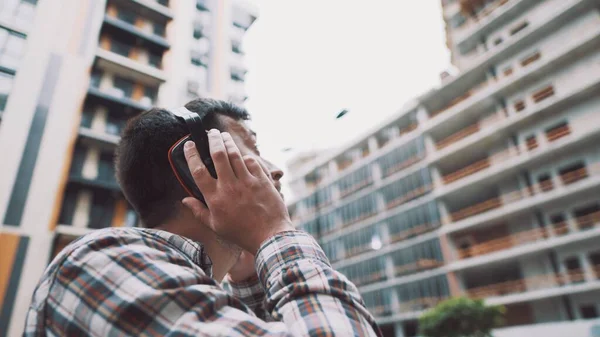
<point>222,254</point>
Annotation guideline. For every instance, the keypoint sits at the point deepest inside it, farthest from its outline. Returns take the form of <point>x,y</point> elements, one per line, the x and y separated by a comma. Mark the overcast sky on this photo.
<point>309,59</point>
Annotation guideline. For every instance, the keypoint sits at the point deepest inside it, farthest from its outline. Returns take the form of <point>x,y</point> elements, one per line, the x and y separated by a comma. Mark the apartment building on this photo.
<point>71,73</point>
<point>487,186</point>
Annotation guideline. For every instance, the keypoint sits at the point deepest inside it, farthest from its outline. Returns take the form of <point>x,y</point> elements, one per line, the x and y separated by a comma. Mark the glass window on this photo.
<point>151,93</point>
<point>101,213</point>
<point>120,48</point>
<point>12,46</point>
<point>106,171</point>
<point>126,16</point>
<point>154,60</point>
<point>5,87</point>
<point>159,29</point>
<point>114,125</point>
<point>126,86</point>
<point>96,78</point>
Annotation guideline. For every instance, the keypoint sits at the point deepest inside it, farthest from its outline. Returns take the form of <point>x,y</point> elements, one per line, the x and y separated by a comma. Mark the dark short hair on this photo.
<point>142,166</point>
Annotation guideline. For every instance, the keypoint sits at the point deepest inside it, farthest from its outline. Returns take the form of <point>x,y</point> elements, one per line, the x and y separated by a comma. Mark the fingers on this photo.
<point>235,157</point>
<point>254,167</point>
<point>199,172</point>
<point>218,152</point>
<point>201,213</point>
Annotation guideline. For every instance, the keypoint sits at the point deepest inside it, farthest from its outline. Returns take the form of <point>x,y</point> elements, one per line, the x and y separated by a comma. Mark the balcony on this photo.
<point>420,304</point>
<point>361,218</point>
<point>369,278</point>
<point>115,63</point>
<point>116,99</point>
<point>98,136</point>
<point>412,232</point>
<point>409,196</point>
<point>485,123</point>
<point>418,266</point>
<point>503,243</point>
<point>118,27</point>
<point>99,183</point>
<point>521,194</point>
<point>403,165</point>
<point>155,9</point>
<point>356,187</point>
<point>456,101</point>
<point>523,285</point>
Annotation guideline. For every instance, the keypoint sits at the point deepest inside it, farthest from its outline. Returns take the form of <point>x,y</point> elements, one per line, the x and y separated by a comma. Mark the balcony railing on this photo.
<point>467,171</point>
<point>369,278</point>
<point>467,7</point>
<point>420,265</point>
<point>420,304</point>
<point>558,132</point>
<point>526,284</point>
<point>380,310</point>
<point>356,187</point>
<point>467,131</point>
<point>503,243</point>
<point>357,250</point>
<point>360,218</point>
<point>461,98</point>
<point>519,194</point>
<point>401,166</point>
<point>417,230</point>
<point>409,196</point>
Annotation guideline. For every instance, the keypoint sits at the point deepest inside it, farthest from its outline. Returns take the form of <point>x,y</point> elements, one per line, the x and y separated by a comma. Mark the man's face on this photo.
<point>245,139</point>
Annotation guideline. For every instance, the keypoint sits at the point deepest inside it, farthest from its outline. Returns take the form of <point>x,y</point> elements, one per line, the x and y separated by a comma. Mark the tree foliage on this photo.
<point>461,317</point>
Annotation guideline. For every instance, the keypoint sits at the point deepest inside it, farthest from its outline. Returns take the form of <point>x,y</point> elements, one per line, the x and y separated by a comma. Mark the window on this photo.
<point>519,27</point>
<point>101,213</point>
<point>559,224</point>
<point>588,311</point>
<point>531,142</point>
<point>6,81</point>
<point>378,302</point>
<point>426,255</point>
<point>402,157</point>
<point>573,267</point>
<point>68,206</point>
<point>360,241</point>
<point>407,189</point>
<point>124,85</point>
<point>558,131</point>
<point>545,182</point>
<point>237,77</point>
<point>154,60</point>
<point>413,222</point>
<point>96,78</point>
<point>201,5</point>
<point>120,48</point>
<point>236,48</point>
<point>87,116</point>
<point>106,171</point>
<point>151,93</point>
<point>158,29</point>
<point>366,272</point>
<point>198,61</point>
<point>424,294</point>
<point>12,46</point>
<point>358,210</point>
<point>355,181</point>
<point>126,16</point>
<point>114,125</point>
<point>573,173</point>
<point>587,216</point>
<point>520,105</point>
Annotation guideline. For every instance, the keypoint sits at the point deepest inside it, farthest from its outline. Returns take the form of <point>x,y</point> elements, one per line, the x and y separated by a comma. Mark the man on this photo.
<point>164,279</point>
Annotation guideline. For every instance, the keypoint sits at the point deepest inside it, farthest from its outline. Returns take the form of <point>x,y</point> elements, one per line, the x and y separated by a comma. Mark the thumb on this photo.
<point>199,210</point>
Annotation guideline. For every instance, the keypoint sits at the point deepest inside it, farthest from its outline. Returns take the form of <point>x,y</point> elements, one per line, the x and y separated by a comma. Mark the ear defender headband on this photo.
<point>176,156</point>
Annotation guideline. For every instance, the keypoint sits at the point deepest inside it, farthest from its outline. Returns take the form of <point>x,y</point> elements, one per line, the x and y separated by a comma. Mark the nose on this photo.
<point>276,172</point>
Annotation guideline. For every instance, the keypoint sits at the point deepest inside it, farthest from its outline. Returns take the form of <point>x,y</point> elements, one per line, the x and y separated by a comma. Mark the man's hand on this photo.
<point>244,207</point>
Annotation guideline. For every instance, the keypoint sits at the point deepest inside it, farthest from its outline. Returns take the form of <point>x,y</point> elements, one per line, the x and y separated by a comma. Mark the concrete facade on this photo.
<point>486,186</point>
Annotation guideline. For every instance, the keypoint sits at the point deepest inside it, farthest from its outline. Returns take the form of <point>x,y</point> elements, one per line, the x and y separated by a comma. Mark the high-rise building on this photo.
<point>71,73</point>
<point>487,186</point>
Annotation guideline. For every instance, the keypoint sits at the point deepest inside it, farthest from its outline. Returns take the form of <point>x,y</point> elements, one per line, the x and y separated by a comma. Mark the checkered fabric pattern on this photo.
<point>143,282</point>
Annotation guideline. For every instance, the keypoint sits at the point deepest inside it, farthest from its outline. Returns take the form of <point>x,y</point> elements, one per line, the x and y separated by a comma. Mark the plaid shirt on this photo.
<point>133,281</point>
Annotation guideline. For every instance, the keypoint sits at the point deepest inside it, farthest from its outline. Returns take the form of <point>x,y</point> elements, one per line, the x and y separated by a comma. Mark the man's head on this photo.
<point>142,165</point>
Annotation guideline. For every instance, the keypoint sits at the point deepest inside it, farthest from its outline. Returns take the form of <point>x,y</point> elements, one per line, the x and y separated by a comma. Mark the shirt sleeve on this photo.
<point>135,288</point>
